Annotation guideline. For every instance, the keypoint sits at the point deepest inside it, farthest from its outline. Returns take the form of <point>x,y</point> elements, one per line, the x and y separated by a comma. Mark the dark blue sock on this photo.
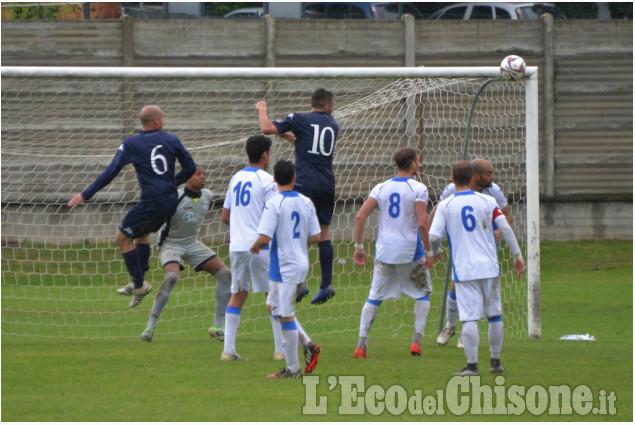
<point>135,271</point>
<point>143,249</point>
<point>325,250</point>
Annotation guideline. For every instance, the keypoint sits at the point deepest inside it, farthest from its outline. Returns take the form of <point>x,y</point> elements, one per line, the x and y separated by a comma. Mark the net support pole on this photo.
<point>533,206</point>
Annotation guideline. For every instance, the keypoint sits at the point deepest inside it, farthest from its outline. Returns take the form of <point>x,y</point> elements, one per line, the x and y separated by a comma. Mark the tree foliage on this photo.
<point>34,12</point>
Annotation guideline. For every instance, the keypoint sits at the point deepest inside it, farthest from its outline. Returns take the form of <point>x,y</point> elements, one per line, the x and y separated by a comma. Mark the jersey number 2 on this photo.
<point>295,217</point>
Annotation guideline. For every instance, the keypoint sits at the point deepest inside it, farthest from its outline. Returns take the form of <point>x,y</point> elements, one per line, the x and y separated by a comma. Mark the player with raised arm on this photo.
<point>153,153</point>
<point>483,182</point>
<point>290,223</point>
<point>468,218</point>
<point>314,135</point>
<point>179,240</point>
<point>401,264</point>
<point>248,191</point>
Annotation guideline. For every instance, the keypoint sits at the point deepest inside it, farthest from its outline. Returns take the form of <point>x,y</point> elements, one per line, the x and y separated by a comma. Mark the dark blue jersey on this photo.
<point>153,155</point>
<point>315,136</point>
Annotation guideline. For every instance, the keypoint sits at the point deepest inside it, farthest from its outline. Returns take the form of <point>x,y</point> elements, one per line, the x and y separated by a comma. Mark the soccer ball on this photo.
<point>513,67</point>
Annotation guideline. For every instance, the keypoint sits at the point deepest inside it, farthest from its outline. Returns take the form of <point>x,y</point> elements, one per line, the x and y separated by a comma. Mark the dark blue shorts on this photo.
<point>146,218</point>
<point>323,200</point>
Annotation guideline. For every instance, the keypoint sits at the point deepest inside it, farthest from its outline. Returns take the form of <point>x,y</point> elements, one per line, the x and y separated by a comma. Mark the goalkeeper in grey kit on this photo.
<point>179,240</point>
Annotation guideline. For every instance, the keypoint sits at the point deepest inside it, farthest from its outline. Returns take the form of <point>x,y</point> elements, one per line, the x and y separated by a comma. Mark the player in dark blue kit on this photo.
<point>314,135</point>
<point>153,154</point>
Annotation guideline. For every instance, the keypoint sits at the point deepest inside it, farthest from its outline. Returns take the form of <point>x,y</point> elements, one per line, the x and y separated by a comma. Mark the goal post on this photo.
<point>62,125</point>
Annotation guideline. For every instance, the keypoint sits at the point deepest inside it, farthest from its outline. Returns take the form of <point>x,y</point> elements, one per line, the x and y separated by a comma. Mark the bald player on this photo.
<point>153,153</point>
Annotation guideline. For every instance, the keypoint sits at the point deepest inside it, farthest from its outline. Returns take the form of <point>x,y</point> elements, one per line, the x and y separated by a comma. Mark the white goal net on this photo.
<point>61,128</point>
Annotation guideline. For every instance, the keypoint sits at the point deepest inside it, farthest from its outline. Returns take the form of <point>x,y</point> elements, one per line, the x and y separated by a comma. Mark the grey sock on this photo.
<point>162,298</point>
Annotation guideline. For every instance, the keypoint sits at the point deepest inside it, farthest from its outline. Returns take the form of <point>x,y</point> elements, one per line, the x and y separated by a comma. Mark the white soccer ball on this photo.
<point>513,67</point>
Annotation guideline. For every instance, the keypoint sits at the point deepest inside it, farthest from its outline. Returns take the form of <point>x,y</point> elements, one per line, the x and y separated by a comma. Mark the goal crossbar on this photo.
<point>176,72</point>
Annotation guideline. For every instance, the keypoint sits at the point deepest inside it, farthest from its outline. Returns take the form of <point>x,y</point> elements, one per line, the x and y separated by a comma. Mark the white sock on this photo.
<point>232,321</point>
<point>453,310</point>
<point>290,349</point>
<point>495,337</point>
<point>369,311</point>
<point>422,308</point>
<point>470,341</point>
<point>278,342</point>
<point>303,338</point>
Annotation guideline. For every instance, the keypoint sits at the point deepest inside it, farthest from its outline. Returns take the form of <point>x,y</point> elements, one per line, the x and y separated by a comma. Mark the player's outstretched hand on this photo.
<point>76,200</point>
<point>261,105</point>
<point>519,265</point>
<point>360,257</point>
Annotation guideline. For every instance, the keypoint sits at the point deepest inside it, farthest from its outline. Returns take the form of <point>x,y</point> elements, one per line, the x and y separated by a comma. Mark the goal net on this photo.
<point>62,126</point>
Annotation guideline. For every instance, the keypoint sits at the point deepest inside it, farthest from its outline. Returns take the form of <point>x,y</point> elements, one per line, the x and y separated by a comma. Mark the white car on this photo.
<point>246,13</point>
<point>468,11</point>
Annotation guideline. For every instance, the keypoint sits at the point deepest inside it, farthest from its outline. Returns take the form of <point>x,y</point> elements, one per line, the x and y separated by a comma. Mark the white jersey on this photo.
<point>248,191</point>
<point>398,238</point>
<point>494,191</point>
<point>467,218</point>
<point>289,219</point>
<point>185,224</point>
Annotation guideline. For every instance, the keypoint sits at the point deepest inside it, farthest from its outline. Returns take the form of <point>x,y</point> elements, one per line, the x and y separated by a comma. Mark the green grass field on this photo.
<point>586,287</point>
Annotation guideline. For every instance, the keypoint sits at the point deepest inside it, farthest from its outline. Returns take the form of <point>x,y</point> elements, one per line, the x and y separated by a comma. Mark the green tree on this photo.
<point>34,12</point>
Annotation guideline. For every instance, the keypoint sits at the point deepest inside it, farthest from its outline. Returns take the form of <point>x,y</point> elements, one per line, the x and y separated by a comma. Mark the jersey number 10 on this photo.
<point>318,140</point>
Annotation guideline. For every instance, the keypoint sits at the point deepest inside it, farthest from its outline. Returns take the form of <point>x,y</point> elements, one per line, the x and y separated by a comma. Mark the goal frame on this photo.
<point>531,122</point>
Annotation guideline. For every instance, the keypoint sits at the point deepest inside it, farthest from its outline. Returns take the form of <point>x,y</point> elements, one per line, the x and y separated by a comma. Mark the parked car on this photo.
<point>249,12</point>
<point>468,11</point>
<point>360,10</point>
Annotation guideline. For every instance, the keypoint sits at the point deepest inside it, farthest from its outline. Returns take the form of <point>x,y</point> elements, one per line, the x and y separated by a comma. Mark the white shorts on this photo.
<point>281,298</point>
<point>478,298</point>
<point>249,268</point>
<point>194,254</point>
<point>391,280</point>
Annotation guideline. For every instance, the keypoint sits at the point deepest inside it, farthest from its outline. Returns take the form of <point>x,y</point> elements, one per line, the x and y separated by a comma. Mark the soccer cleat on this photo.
<point>148,334</point>
<point>468,371</point>
<point>311,354</point>
<point>217,333</point>
<point>445,335</point>
<point>226,357</point>
<point>495,366</point>
<point>302,292</point>
<point>285,373</point>
<point>278,356</point>
<point>139,294</point>
<point>126,290</point>
<point>415,349</point>
<point>323,295</point>
<point>359,353</point>
<point>459,343</point>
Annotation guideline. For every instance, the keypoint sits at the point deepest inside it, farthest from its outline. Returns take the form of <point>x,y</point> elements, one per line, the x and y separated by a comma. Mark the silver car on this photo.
<point>468,11</point>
